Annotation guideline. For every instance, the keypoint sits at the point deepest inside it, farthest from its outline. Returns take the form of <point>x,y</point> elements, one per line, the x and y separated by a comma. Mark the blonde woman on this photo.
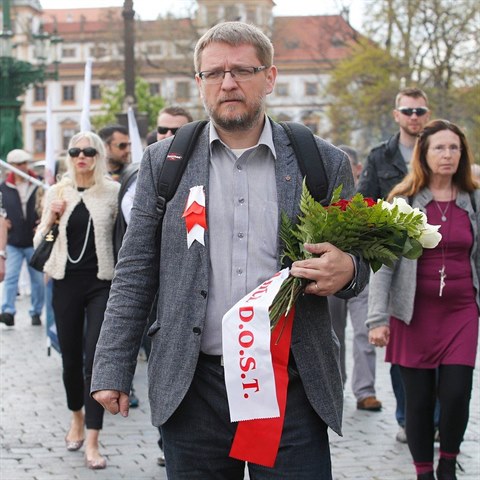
<point>84,203</point>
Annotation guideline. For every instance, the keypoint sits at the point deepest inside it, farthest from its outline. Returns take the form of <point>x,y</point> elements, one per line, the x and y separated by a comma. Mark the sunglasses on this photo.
<point>164,130</point>
<point>122,146</point>
<point>88,152</point>
<point>419,111</point>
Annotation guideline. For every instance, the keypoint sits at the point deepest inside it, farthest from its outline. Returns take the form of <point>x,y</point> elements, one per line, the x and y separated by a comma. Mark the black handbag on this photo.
<point>44,249</point>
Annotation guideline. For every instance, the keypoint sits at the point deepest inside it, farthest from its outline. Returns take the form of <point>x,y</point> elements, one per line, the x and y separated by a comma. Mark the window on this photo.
<point>154,89</point>
<point>68,93</point>
<point>67,134</point>
<point>39,140</point>
<point>98,51</point>
<point>154,49</point>
<point>182,91</point>
<point>40,93</point>
<point>311,88</point>
<point>282,89</point>
<point>68,52</point>
<point>95,92</point>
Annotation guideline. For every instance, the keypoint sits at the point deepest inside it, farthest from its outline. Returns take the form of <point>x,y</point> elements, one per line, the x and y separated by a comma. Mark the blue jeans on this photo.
<point>15,258</point>
<point>198,436</point>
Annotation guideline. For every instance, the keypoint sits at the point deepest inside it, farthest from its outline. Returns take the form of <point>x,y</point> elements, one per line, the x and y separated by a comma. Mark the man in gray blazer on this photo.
<point>247,169</point>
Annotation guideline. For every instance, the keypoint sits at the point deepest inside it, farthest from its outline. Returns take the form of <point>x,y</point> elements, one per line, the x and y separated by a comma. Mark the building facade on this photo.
<point>306,49</point>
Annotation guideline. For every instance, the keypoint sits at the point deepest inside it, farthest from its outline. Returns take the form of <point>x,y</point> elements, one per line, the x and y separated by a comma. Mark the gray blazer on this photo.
<point>181,277</point>
<point>392,291</point>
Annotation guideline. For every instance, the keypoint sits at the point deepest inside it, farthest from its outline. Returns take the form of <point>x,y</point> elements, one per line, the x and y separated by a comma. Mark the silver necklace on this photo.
<point>443,212</point>
<point>82,253</point>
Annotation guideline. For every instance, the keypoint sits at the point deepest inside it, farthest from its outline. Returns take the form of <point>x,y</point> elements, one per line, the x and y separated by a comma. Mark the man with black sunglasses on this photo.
<point>170,119</point>
<point>117,143</point>
<point>386,166</point>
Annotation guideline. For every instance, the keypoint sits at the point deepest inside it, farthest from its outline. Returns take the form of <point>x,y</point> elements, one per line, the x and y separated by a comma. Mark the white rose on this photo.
<point>403,205</point>
<point>429,236</point>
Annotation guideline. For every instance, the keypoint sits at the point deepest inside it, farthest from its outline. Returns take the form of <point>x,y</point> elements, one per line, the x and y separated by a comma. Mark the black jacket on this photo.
<point>22,230</point>
<point>385,167</point>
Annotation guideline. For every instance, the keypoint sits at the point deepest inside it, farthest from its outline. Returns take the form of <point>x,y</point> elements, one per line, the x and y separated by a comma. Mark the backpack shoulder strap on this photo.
<point>175,162</point>
<point>474,203</point>
<point>309,159</point>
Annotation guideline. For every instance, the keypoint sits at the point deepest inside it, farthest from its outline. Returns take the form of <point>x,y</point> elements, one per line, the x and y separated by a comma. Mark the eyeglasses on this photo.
<point>88,151</point>
<point>164,130</point>
<point>122,146</point>
<point>419,111</point>
<point>239,74</point>
<point>441,149</point>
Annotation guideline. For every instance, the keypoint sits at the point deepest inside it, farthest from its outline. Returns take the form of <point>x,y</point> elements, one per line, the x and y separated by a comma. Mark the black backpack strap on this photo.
<point>175,162</point>
<point>309,159</point>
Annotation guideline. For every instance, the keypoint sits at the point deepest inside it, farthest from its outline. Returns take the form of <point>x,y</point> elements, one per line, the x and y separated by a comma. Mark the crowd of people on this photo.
<point>124,278</point>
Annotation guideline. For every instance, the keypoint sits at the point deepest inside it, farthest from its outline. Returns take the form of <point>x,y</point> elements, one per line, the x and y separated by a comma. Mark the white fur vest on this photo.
<point>102,204</point>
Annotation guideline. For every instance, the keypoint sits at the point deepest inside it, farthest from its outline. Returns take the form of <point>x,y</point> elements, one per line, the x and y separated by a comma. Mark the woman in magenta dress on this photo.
<point>426,311</point>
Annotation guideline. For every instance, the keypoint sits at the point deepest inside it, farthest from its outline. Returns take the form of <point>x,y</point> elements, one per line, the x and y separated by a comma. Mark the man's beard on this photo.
<point>239,122</point>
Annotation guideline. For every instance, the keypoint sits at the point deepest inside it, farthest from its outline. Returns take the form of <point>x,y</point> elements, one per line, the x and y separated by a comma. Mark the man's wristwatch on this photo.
<point>3,254</point>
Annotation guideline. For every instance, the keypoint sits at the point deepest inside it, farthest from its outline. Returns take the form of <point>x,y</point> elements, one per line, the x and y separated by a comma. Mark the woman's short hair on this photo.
<point>100,165</point>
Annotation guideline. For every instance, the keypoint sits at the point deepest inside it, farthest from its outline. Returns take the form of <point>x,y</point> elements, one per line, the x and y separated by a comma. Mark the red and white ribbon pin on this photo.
<point>195,216</point>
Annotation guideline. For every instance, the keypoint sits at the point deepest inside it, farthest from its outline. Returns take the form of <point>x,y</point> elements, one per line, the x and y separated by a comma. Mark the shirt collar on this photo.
<point>266,137</point>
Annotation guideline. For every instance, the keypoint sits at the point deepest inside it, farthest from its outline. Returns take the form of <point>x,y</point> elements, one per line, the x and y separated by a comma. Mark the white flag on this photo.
<point>137,149</point>
<point>87,85</point>
<point>49,146</point>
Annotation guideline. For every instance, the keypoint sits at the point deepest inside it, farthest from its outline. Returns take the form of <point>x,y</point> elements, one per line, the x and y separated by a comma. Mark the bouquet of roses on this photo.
<point>380,232</point>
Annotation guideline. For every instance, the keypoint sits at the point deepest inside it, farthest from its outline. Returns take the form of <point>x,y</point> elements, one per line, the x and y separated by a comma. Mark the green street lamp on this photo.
<point>16,76</point>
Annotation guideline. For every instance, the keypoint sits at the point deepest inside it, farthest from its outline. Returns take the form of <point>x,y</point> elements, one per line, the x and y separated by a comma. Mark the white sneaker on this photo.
<point>161,459</point>
<point>401,436</point>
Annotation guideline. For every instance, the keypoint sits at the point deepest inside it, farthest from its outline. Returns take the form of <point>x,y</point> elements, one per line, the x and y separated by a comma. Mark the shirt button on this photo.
<point>239,271</point>
<point>241,201</point>
<point>240,235</point>
<point>197,330</point>
<point>203,293</point>
<point>239,167</point>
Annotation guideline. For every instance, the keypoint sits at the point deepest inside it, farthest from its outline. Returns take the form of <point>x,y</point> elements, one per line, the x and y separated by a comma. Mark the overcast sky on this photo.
<point>147,11</point>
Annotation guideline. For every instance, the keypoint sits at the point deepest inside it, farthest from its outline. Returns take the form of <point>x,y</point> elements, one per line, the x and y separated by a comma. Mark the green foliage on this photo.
<point>113,98</point>
<point>359,226</point>
<point>376,233</point>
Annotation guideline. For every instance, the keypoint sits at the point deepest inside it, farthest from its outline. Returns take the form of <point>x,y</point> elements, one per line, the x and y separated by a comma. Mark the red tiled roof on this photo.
<point>312,39</point>
<point>75,15</point>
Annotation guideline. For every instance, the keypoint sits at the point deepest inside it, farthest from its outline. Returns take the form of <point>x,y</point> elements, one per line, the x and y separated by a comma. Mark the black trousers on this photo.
<point>79,304</point>
<point>454,390</point>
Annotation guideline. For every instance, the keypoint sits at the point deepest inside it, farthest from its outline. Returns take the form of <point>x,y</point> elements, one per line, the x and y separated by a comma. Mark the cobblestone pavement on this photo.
<point>34,419</point>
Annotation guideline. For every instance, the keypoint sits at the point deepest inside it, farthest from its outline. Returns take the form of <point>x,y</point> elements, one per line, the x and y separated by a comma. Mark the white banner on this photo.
<point>137,148</point>
<point>87,86</point>
<point>50,159</point>
<point>249,376</point>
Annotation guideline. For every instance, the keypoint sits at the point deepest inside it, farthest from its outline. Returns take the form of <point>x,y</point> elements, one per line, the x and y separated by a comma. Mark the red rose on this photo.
<point>370,202</point>
<point>343,204</point>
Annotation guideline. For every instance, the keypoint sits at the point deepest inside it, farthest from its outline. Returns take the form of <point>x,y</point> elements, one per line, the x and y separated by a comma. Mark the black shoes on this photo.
<point>7,318</point>
<point>446,469</point>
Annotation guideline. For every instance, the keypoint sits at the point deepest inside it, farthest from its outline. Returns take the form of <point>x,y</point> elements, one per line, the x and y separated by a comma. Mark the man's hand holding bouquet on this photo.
<point>256,331</point>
